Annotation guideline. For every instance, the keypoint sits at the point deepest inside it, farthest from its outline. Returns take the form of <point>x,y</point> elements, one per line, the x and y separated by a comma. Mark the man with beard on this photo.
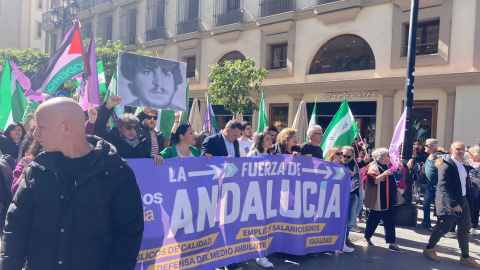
<point>245,141</point>
<point>148,121</point>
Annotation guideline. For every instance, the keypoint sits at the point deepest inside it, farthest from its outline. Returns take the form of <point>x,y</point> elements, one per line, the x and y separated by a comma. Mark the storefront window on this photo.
<point>424,116</point>
<point>278,115</point>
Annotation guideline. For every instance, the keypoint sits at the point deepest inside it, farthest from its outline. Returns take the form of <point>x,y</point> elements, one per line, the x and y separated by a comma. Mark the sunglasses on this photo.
<point>149,117</point>
<point>128,127</point>
<point>339,153</point>
<point>347,157</point>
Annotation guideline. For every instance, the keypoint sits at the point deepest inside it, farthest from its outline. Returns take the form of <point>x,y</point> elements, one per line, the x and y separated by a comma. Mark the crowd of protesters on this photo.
<point>81,150</point>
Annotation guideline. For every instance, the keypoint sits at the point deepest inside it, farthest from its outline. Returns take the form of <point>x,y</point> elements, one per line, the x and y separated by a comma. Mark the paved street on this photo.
<point>411,240</point>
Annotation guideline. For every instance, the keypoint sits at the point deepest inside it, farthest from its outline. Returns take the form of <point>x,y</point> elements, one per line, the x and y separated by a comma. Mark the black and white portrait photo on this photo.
<point>148,81</point>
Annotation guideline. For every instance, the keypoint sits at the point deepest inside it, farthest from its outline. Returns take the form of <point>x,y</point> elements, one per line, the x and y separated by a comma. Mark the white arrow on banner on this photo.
<point>327,171</point>
<point>215,172</point>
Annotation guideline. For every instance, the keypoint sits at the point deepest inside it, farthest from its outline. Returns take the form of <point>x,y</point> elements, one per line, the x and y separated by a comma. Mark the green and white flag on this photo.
<point>12,100</point>
<point>101,78</point>
<point>112,90</point>
<point>341,131</point>
<point>313,119</point>
<point>262,115</point>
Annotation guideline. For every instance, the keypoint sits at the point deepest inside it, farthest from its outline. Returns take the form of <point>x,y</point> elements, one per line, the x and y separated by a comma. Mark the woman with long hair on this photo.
<point>262,146</point>
<point>10,141</point>
<point>181,144</point>
<point>334,154</point>
<point>287,142</point>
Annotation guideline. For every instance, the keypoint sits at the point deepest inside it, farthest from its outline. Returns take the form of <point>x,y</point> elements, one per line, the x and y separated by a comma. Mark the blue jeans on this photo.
<point>352,211</point>
<point>429,197</point>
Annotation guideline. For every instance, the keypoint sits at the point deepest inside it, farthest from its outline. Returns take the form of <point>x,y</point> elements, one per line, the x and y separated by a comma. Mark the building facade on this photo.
<point>21,24</point>
<point>317,50</point>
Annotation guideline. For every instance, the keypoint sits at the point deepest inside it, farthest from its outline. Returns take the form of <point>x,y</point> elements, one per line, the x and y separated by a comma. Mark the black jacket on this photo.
<point>142,150</point>
<point>449,193</point>
<point>160,140</point>
<point>96,225</point>
<point>215,145</point>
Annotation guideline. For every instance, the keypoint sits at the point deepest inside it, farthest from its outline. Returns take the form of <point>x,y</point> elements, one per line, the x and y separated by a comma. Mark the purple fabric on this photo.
<point>91,99</point>
<point>24,82</point>
<point>89,128</point>
<point>401,184</point>
<point>208,213</point>
<point>397,140</point>
<point>16,174</point>
<point>207,118</point>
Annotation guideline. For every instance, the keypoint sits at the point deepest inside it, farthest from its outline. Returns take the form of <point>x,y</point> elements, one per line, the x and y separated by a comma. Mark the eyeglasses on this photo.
<point>321,133</point>
<point>149,117</point>
<point>347,157</point>
<point>128,127</point>
<point>339,154</point>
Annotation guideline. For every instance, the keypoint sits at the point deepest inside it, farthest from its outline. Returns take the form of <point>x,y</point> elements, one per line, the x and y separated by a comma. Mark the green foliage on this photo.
<point>233,84</point>
<point>28,61</point>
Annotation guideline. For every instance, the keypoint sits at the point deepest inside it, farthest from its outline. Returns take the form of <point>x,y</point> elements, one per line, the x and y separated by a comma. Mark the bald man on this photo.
<point>78,205</point>
<point>452,204</point>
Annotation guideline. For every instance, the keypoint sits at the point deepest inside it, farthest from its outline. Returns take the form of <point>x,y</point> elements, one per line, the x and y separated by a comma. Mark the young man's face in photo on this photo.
<point>155,87</point>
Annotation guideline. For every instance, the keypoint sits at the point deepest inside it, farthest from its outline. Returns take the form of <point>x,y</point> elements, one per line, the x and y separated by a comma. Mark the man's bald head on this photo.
<point>61,126</point>
<point>458,150</point>
<point>62,110</point>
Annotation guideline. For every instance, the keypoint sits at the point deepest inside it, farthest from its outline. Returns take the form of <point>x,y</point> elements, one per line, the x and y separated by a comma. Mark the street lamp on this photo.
<point>66,11</point>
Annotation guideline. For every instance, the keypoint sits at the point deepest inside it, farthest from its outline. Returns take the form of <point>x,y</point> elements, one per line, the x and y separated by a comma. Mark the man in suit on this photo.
<point>452,204</point>
<point>224,143</point>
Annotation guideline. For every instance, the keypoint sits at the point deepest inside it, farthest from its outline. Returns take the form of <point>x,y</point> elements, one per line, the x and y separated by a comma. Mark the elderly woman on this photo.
<point>475,176</point>
<point>380,198</point>
<point>126,136</point>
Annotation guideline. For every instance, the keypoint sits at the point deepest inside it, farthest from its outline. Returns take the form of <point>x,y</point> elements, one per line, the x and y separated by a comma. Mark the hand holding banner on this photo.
<point>203,214</point>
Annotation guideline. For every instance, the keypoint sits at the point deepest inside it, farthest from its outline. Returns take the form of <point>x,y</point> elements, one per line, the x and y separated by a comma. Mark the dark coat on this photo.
<point>9,147</point>
<point>449,192</point>
<point>215,145</point>
<point>97,225</point>
<point>142,150</point>
<point>160,140</point>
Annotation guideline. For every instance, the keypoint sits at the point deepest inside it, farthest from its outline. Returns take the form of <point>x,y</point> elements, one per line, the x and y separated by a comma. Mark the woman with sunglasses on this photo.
<point>124,136</point>
<point>334,154</point>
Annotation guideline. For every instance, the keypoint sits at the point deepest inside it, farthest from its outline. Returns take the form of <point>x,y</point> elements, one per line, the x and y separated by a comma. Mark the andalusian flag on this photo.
<point>112,90</point>
<point>341,131</point>
<point>77,80</point>
<point>262,116</point>
<point>67,62</point>
<point>12,100</point>
<point>313,119</point>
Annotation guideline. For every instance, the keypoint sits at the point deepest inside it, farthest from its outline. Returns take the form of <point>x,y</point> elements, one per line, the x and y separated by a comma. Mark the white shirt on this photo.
<point>463,175</point>
<point>244,147</point>
<point>191,154</point>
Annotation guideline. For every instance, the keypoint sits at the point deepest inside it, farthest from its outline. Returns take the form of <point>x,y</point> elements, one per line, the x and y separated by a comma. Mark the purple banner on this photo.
<point>397,140</point>
<point>202,214</point>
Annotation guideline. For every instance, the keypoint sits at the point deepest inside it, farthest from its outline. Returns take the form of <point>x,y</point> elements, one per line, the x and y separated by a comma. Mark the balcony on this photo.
<point>85,5</point>
<point>188,26</point>
<point>47,18</point>
<point>155,33</point>
<point>228,12</point>
<point>323,2</point>
<point>272,7</point>
<point>96,3</point>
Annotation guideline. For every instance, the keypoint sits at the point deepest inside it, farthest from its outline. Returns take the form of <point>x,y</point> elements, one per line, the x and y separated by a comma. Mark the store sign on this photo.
<point>372,95</point>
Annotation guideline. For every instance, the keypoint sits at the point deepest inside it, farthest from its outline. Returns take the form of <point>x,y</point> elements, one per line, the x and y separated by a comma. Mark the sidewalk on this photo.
<point>411,239</point>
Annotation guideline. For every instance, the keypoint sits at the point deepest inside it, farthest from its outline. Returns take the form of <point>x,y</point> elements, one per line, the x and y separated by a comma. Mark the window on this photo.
<point>191,67</point>
<point>424,115</point>
<point>128,24</point>
<point>188,16</point>
<point>278,57</point>
<point>39,30</point>
<point>278,115</point>
<point>228,12</point>
<point>105,26</point>
<point>427,38</point>
<point>155,20</point>
<point>40,4</point>
<point>231,56</point>
<point>272,7</point>
<point>343,53</point>
<point>86,28</point>
<point>53,47</point>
